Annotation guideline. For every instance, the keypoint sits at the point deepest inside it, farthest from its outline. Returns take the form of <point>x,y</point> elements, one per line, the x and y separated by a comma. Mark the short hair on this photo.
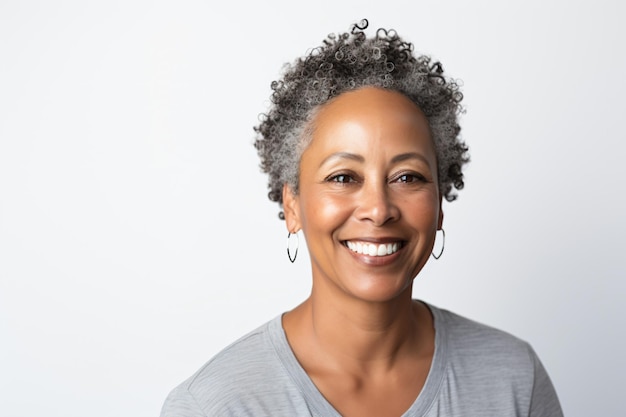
<point>346,62</point>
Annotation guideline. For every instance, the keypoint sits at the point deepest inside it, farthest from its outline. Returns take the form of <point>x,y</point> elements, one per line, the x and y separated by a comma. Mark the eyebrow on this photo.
<point>358,158</point>
<point>343,155</point>
<point>410,155</point>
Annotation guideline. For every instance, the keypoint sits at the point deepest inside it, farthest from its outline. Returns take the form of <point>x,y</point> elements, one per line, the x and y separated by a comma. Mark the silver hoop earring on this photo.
<point>443,244</point>
<point>295,254</point>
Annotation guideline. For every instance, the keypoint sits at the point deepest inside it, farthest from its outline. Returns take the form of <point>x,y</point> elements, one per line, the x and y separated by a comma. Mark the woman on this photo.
<point>361,144</point>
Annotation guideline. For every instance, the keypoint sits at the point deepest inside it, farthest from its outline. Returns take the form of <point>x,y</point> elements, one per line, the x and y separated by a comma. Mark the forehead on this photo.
<point>371,118</point>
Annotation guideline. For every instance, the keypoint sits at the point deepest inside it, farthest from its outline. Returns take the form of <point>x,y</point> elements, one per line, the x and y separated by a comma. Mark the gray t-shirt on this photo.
<point>476,371</point>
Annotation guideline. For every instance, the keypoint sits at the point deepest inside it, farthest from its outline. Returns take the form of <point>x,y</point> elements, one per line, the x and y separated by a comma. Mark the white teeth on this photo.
<point>373,249</point>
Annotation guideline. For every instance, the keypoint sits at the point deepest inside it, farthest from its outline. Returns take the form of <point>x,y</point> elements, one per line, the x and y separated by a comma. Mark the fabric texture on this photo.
<point>477,371</point>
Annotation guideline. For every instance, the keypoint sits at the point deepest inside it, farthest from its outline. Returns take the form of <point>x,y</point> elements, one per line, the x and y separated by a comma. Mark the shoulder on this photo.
<point>238,371</point>
<point>466,338</point>
<point>247,355</point>
<point>490,366</point>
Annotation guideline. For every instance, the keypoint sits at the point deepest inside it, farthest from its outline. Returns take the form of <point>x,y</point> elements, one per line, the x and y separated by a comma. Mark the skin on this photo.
<point>369,175</point>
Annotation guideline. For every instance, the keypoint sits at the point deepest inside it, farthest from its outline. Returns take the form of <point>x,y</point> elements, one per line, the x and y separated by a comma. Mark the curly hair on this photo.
<point>346,62</point>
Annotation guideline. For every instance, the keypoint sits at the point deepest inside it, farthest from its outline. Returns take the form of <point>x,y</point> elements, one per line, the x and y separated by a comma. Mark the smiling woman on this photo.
<point>361,145</point>
<point>368,181</point>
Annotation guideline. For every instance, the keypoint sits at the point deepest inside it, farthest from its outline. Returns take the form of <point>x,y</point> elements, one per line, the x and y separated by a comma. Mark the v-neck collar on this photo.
<point>321,407</point>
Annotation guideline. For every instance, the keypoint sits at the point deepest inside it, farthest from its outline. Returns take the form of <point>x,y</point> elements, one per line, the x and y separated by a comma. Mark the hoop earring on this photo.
<point>443,245</point>
<point>295,254</point>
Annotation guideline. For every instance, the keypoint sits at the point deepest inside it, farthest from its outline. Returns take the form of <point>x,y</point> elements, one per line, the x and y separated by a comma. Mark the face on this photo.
<point>368,201</point>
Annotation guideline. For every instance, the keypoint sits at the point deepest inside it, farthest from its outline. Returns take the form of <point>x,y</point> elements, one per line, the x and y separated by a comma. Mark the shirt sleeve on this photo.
<point>180,403</point>
<point>544,401</point>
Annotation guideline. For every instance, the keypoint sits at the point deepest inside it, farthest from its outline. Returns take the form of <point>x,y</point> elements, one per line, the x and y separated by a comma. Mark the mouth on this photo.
<point>373,249</point>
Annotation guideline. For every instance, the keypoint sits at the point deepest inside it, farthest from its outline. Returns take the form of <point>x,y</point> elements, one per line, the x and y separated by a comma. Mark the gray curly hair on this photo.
<point>349,61</point>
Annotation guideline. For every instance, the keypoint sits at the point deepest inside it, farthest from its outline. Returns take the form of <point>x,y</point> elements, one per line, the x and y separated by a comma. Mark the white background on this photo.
<point>136,239</point>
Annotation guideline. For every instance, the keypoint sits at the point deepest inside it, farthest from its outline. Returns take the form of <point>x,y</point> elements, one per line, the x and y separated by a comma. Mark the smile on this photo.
<point>372,249</point>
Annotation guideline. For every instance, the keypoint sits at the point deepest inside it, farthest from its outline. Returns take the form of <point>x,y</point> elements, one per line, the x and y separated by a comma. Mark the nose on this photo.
<point>376,205</point>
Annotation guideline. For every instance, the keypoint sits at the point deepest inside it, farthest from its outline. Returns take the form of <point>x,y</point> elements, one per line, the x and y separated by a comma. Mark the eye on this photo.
<point>341,178</point>
<point>410,178</point>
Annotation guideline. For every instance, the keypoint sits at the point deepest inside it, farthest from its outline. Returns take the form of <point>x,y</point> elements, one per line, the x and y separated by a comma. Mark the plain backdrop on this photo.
<point>136,237</point>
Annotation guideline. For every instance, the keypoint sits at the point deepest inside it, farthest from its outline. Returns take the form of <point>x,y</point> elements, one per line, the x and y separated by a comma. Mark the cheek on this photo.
<point>424,212</point>
<point>324,211</point>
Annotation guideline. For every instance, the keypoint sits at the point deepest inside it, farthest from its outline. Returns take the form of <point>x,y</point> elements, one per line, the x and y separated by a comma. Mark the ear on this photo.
<point>440,220</point>
<point>291,207</point>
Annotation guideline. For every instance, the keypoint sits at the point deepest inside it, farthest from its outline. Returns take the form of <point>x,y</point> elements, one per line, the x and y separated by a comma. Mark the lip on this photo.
<point>375,260</point>
<point>375,240</point>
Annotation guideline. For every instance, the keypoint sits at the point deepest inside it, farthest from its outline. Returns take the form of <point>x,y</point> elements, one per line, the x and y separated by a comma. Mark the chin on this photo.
<point>381,292</point>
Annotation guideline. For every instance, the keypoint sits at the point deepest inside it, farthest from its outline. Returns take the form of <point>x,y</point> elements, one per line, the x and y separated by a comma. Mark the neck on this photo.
<point>357,335</point>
